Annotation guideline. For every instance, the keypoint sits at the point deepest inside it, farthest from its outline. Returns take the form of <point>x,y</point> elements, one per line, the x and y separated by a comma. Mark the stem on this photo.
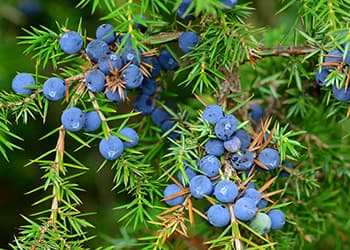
<point>98,110</point>
<point>57,167</point>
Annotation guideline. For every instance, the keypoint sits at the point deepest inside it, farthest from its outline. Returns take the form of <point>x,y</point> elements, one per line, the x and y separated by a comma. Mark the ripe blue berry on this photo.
<point>242,160</point>
<point>228,4</point>
<point>159,116</point>
<point>218,215</point>
<point>286,164</point>
<point>154,65</point>
<point>244,137</point>
<point>262,203</point>
<point>170,190</point>
<point>256,112</point>
<point>214,147</point>
<point>92,121</point>
<point>278,219</point>
<point>132,135</point>
<point>244,209</point>
<point>200,185</point>
<point>213,113</point>
<point>341,94</point>
<point>54,89</point>
<point>144,104</point>
<point>132,76</point>
<point>140,20</point>
<point>20,83</point>
<point>95,80</point>
<point>116,97</point>
<point>73,119</point>
<point>110,62</point>
<point>187,41</point>
<point>167,125</point>
<point>210,165</point>
<point>182,9</point>
<point>261,223</point>
<point>148,86</point>
<point>167,61</point>
<point>111,148</point>
<point>97,49</point>
<point>190,172</point>
<point>131,55</point>
<point>232,145</point>
<point>320,77</point>
<point>270,158</point>
<point>105,32</point>
<point>71,42</point>
<point>253,194</point>
<point>334,56</point>
<point>226,191</point>
<point>225,127</point>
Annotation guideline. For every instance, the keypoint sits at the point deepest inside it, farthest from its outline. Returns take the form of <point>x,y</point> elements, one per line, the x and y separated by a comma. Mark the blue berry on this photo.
<point>261,223</point>
<point>156,67</point>
<point>29,8</point>
<point>242,160</point>
<point>132,135</point>
<point>105,63</point>
<point>140,25</point>
<point>270,158</point>
<point>253,194</point>
<point>200,185</point>
<point>97,49</point>
<point>244,209</point>
<point>256,113</point>
<point>190,172</point>
<point>92,121</point>
<point>262,203</point>
<point>167,125</point>
<point>286,164</point>
<point>334,56</point>
<point>341,94</point>
<point>278,219</point>
<point>144,104</point>
<point>244,137</point>
<point>226,191</point>
<point>167,61</point>
<point>232,145</point>
<point>71,42</point>
<point>210,165</point>
<point>213,113</point>
<point>148,86</point>
<point>131,55</point>
<point>95,80</point>
<point>105,32</point>
<point>182,9</point>
<point>132,76</point>
<point>228,4</point>
<point>159,116</point>
<point>214,147</point>
<point>187,41</point>
<point>111,148</point>
<point>225,127</point>
<point>54,89</point>
<point>218,215</point>
<point>73,119</point>
<point>20,83</point>
<point>116,97</point>
<point>170,190</point>
<point>320,77</point>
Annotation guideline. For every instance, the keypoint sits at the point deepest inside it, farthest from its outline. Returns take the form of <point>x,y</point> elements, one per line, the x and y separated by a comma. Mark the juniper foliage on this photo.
<point>238,62</point>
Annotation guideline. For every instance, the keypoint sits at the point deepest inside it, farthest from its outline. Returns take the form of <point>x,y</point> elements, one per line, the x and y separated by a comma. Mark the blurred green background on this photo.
<point>16,180</point>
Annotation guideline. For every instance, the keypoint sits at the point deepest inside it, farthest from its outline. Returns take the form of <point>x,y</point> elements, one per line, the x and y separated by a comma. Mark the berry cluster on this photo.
<point>234,198</point>
<point>334,61</point>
